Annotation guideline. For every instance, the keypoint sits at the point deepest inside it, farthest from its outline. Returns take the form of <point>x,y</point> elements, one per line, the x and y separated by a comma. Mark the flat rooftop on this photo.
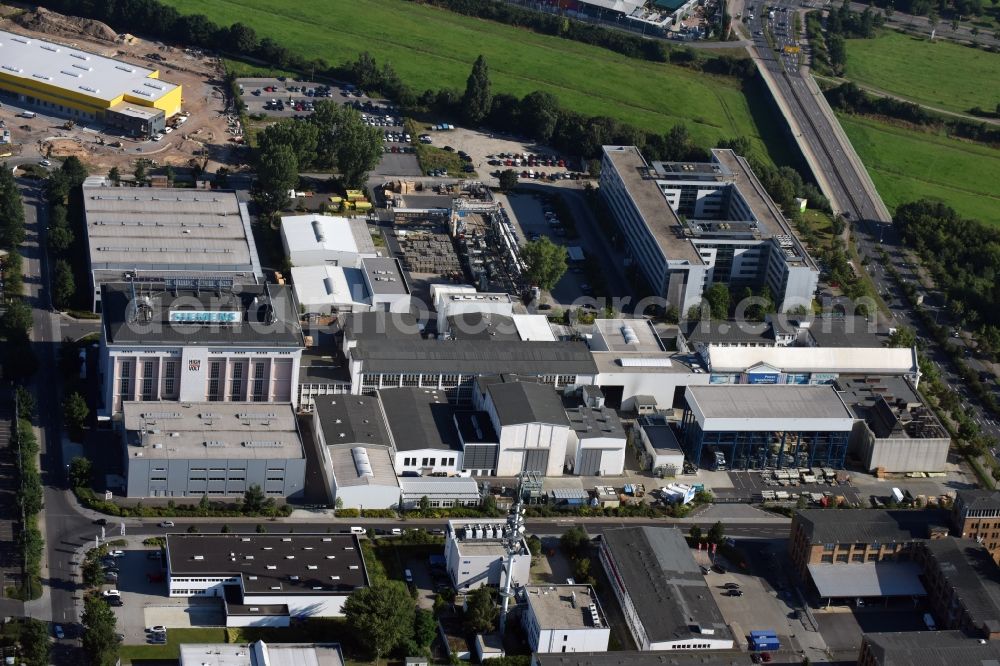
<point>770,221</point>
<point>42,63</point>
<point>517,402</point>
<point>482,326</point>
<point>211,430</point>
<point>848,360</point>
<point>480,537</point>
<point>661,435</point>
<point>384,275</point>
<point>169,230</point>
<point>666,586</point>
<point>660,219</point>
<point>931,648</point>
<point>591,422</point>
<point>890,406</point>
<point>419,418</point>
<point>410,353</point>
<point>871,526</point>
<point>565,606</point>
<point>351,420</point>
<point>626,335</point>
<point>261,654</point>
<point>330,285</point>
<point>327,232</point>
<point>647,363</point>
<point>272,564</point>
<point>154,313</point>
<point>747,401</point>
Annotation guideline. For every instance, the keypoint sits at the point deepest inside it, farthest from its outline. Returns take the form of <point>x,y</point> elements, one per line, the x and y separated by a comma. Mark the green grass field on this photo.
<point>908,165</point>
<point>434,48</point>
<point>940,73</point>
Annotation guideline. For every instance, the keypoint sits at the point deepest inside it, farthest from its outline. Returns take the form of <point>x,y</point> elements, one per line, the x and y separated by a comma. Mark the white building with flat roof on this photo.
<point>564,618</point>
<point>260,653</point>
<point>475,556</point>
<point>317,240</point>
<point>328,289</point>
<point>168,235</point>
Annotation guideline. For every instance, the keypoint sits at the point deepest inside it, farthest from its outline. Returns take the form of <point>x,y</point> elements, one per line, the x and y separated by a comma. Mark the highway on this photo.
<point>831,157</point>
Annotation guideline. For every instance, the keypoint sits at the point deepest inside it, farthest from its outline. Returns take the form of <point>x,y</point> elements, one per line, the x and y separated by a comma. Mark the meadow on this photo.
<point>941,74</point>
<point>907,165</point>
<point>432,48</point>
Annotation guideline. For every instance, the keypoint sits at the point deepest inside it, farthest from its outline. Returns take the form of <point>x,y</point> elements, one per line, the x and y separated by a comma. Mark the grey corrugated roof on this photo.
<point>351,420</point>
<point>931,648</point>
<point>412,354</point>
<point>667,588</point>
<point>419,418</point>
<point>254,302</point>
<point>826,526</point>
<point>591,422</point>
<point>754,402</point>
<point>518,402</point>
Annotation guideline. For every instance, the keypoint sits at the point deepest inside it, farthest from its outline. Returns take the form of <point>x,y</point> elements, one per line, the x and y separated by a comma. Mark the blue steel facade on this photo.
<point>765,449</point>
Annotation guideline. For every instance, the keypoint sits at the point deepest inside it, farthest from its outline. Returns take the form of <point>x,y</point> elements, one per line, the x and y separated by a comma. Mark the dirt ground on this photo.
<point>204,136</point>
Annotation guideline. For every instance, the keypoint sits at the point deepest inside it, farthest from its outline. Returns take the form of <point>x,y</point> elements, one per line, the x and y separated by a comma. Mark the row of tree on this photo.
<point>333,137</point>
<point>852,99</point>
<point>65,199</point>
<point>29,498</point>
<point>19,361</point>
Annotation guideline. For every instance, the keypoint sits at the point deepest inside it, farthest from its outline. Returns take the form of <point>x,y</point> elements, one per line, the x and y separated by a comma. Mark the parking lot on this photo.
<point>263,95</point>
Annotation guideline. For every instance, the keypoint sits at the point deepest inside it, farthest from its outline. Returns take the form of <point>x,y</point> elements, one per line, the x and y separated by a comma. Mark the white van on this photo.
<point>358,530</point>
<point>28,114</point>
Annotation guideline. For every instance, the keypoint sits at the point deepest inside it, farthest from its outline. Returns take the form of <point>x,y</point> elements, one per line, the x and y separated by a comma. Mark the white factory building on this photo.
<point>596,445</point>
<point>564,618</point>
<point>377,284</point>
<point>266,580</point>
<point>319,240</point>
<point>162,343</point>
<point>807,365</point>
<point>475,556</point>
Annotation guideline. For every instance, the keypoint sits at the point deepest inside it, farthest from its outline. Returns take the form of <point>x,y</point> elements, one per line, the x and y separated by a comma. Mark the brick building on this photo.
<point>976,515</point>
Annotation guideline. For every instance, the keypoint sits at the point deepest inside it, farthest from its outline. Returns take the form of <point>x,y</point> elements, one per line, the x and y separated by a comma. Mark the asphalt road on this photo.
<point>943,30</point>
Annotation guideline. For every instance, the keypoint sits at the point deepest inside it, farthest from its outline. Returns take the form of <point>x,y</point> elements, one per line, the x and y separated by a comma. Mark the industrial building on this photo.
<point>596,444</point>
<point>976,516</point>
<point>661,452</point>
<point>167,343</point>
<point>773,427</point>
<point>260,653</point>
<point>779,330</point>
<point>475,556</point>
<point>356,452</point>
<point>690,225</point>
<point>663,595</point>
<point>564,618</point>
<point>530,422</point>
<point>807,365</point>
<point>267,579</point>
<point>325,289</point>
<point>219,449</point>
<point>84,86</point>
<point>639,658</point>
<point>325,240</point>
<point>895,431</point>
<point>926,648</point>
<point>167,235</point>
<point>421,427</point>
<point>441,491</point>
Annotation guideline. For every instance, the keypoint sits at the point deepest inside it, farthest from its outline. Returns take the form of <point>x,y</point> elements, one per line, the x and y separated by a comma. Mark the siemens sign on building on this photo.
<point>204,316</point>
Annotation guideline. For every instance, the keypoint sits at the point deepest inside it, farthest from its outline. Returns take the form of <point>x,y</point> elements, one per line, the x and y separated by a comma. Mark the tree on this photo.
<point>115,176</point>
<point>301,137</point>
<point>545,262</point>
<point>574,540</point>
<point>717,297</point>
<point>140,172</point>
<point>63,285</point>
<point>242,39</point>
<point>170,174</point>
<point>695,533</point>
<point>75,171</point>
<point>260,529</point>
<point>539,112</point>
<point>26,403</point>
<point>277,173</point>
<point>92,572</point>
<point>534,545</point>
<point>717,533</point>
<point>425,503</point>
<point>75,414</point>
<point>424,628</point>
<point>192,529</point>
<point>358,148</point>
<point>60,236</point>
<point>903,336</point>
<point>478,97</point>
<point>16,320</point>
<point>81,472</point>
<point>100,637</point>
<point>253,499</point>
<point>225,529</point>
<point>35,643</point>
<point>381,616</point>
<point>508,180</point>
<point>481,613</point>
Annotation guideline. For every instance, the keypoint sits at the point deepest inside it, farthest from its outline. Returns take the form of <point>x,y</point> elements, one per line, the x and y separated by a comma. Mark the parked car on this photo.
<point>734,593</point>
<point>117,553</point>
<point>158,629</point>
<point>101,521</point>
<point>732,586</point>
<point>112,593</point>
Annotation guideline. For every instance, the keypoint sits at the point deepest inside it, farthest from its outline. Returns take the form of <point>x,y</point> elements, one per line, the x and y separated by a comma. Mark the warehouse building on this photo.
<point>325,240</point>
<point>895,431</point>
<point>168,236</point>
<point>475,556</point>
<point>690,225</point>
<point>807,365</point>
<point>774,427</point>
<point>779,330</point>
<point>356,452</point>
<point>161,342</point>
<point>267,579</point>
<point>564,618</point>
<point>661,452</point>
<point>637,658</point>
<point>596,445</point>
<point>215,449</point>
<point>421,427</point>
<point>260,653</point>
<point>663,595</point>
<point>926,648</point>
<point>84,86</point>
